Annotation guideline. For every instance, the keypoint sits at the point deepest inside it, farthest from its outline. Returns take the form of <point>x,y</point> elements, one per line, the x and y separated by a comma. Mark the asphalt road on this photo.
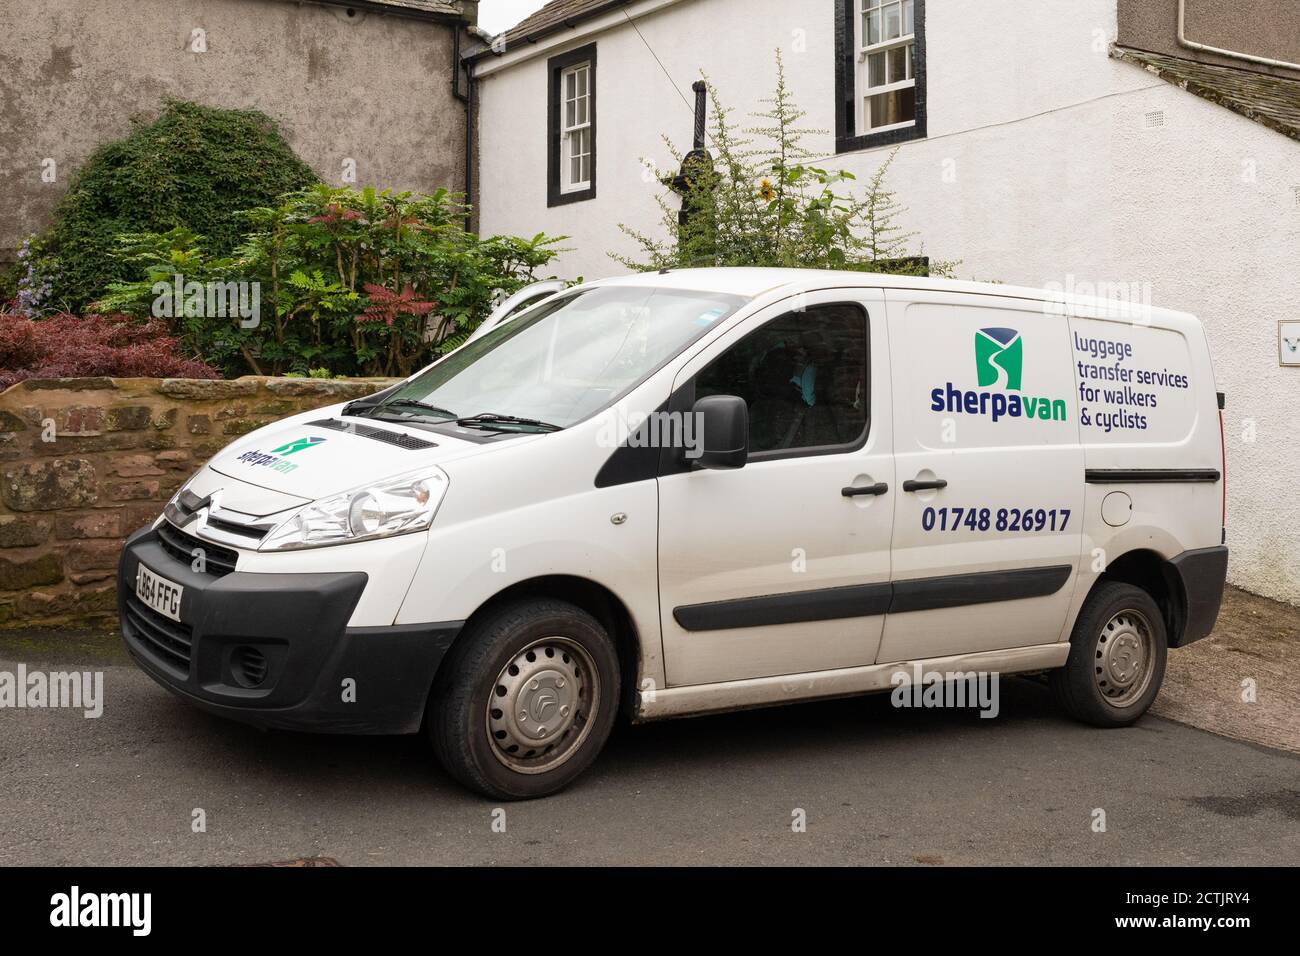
<point>877,785</point>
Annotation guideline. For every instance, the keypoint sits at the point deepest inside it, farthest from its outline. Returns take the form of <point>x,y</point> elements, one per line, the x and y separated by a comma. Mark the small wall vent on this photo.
<point>1155,119</point>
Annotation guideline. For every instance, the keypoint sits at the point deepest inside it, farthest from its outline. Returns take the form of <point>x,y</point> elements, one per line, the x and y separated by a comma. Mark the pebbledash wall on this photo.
<point>84,462</point>
<point>1043,165</point>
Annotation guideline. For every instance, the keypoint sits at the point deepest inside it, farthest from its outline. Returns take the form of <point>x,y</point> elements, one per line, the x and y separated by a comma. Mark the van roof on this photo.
<point>752,283</point>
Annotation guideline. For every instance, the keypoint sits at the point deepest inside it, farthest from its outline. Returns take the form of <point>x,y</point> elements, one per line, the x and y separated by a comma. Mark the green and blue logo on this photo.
<point>999,352</point>
<point>999,364</point>
<point>297,445</point>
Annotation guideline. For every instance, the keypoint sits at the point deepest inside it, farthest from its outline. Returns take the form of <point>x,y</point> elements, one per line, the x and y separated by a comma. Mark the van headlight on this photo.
<point>395,506</point>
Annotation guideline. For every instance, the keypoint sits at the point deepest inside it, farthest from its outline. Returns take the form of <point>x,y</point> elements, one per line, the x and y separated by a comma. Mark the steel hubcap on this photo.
<point>541,705</point>
<point>1124,654</point>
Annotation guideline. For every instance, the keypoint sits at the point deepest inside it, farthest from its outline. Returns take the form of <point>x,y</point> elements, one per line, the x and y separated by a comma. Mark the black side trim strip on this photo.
<point>868,600</point>
<point>823,604</point>
<point>959,590</point>
<point>1114,476</point>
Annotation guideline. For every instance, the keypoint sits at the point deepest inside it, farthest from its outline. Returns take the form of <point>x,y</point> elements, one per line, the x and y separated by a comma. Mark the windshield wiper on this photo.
<point>410,403</point>
<point>494,421</point>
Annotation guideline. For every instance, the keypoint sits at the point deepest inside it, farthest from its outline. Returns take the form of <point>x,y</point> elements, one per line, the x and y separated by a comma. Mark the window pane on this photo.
<point>803,376</point>
<point>876,69</point>
<point>888,108</point>
<point>909,25</point>
<point>582,105</point>
<point>569,113</point>
<point>885,109</point>
<point>871,29</point>
<point>893,22</point>
<point>897,65</point>
<point>569,81</point>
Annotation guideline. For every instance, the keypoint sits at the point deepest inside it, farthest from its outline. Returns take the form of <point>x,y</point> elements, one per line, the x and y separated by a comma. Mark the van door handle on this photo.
<point>879,488</point>
<point>913,485</point>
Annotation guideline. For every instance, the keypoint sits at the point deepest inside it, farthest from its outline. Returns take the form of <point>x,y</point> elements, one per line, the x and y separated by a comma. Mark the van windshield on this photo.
<point>561,361</point>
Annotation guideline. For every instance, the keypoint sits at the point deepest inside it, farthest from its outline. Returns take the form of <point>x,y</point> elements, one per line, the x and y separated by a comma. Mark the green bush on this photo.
<point>347,281</point>
<point>194,167</point>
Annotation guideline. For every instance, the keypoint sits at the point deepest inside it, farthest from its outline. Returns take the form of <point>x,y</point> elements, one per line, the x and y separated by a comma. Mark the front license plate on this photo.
<point>158,593</point>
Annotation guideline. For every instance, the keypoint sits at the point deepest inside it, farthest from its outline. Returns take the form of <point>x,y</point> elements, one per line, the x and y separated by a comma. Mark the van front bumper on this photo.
<point>274,650</point>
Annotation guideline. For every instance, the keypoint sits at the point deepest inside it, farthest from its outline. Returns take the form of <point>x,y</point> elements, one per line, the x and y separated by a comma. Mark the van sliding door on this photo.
<point>987,524</point>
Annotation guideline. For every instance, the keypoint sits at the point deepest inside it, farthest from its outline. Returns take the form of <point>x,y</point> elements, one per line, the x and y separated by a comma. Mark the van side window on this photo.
<point>803,376</point>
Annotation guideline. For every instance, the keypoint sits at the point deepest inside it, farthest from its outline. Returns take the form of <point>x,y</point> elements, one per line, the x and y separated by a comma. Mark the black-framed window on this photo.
<point>805,377</point>
<point>571,126</point>
<point>880,73</point>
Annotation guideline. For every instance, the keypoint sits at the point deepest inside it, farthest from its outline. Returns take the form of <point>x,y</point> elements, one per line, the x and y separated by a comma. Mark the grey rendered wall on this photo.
<point>368,87</point>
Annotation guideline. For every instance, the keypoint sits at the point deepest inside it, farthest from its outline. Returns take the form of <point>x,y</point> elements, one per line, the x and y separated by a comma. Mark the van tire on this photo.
<point>1120,631</point>
<point>571,681</point>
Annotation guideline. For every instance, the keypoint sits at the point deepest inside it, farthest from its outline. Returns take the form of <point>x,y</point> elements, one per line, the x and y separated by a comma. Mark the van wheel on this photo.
<point>1117,657</point>
<point>525,700</point>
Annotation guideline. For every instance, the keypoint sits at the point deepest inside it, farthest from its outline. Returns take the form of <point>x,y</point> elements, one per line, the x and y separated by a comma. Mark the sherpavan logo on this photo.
<point>999,352</point>
<point>75,908</point>
<point>1000,364</point>
<point>275,458</point>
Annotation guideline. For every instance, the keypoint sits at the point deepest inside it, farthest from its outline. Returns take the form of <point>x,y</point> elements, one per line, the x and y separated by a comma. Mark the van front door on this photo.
<point>782,566</point>
<point>987,521</point>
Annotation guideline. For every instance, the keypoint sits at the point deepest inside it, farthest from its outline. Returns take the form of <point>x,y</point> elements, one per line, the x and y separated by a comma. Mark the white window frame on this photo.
<point>568,132</point>
<point>862,91</point>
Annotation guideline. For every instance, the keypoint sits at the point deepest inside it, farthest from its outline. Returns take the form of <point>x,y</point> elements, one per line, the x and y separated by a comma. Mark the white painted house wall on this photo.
<point>1053,176</point>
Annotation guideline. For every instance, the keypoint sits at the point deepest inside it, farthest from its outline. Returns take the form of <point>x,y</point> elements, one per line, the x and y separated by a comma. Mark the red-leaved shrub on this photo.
<point>72,346</point>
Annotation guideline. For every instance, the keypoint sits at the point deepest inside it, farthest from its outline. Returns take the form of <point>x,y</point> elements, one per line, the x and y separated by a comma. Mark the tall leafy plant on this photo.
<point>761,201</point>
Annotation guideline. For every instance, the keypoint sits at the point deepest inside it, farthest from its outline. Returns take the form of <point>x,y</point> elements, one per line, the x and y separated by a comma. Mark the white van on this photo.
<point>700,491</point>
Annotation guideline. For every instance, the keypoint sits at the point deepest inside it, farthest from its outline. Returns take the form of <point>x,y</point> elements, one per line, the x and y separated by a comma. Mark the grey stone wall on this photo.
<point>86,461</point>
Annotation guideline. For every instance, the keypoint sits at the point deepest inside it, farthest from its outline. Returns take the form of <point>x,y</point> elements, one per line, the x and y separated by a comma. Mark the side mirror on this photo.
<point>723,423</point>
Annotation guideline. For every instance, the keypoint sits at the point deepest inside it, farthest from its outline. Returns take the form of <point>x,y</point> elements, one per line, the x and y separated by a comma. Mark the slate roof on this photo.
<point>557,15</point>
<point>1273,101</point>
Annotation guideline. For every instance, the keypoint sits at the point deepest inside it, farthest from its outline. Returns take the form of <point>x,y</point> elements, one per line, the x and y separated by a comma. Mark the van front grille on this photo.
<point>217,560</point>
<point>168,642</point>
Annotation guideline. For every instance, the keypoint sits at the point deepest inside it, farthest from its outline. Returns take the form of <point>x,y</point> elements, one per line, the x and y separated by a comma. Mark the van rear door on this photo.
<point>987,522</point>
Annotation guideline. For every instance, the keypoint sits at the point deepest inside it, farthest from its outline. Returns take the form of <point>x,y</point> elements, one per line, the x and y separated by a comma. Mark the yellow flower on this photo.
<point>767,190</point>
